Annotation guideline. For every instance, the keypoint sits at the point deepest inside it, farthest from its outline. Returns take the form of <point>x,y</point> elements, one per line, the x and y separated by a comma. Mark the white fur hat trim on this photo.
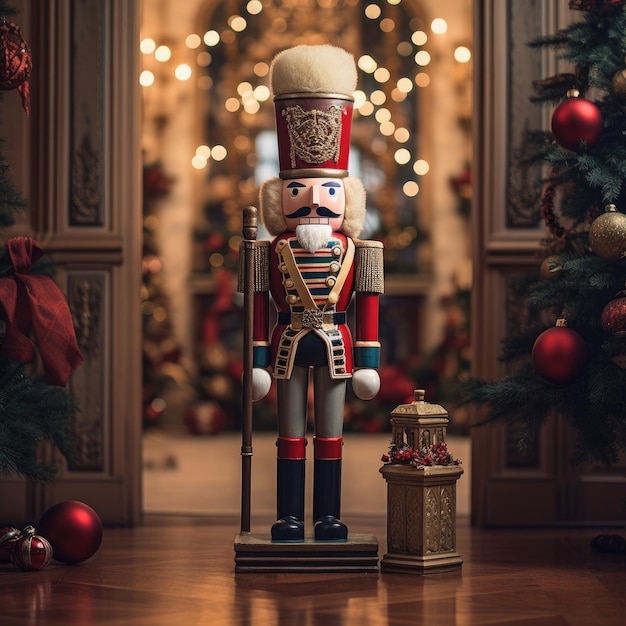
<point>321,69</point>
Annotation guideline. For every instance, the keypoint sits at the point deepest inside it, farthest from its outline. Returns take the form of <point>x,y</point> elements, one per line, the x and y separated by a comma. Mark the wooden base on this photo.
<point>257,553</point>
<point>416,564</point>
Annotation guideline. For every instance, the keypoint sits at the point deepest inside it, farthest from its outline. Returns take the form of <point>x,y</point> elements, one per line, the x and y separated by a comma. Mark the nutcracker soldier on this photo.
<point>313,267</point>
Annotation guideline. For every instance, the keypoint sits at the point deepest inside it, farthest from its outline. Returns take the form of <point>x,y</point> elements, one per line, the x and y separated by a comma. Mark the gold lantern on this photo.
<point>421,498</point>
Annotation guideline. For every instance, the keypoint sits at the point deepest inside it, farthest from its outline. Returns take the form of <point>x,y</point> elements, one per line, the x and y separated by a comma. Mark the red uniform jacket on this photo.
<point>311,293</point>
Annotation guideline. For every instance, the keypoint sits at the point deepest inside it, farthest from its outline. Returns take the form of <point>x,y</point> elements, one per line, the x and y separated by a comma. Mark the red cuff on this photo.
<point>328,448</point>
<point>293,448</point>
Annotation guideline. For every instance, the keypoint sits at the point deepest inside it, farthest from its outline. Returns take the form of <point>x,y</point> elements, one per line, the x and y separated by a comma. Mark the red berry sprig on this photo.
<point>435,454</point>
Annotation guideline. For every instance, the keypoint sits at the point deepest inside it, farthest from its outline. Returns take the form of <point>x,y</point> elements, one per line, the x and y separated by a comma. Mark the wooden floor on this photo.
<point>180,571</point>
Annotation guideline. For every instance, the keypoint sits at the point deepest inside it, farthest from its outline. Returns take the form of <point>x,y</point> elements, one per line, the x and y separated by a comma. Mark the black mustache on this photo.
<point>322,211</point>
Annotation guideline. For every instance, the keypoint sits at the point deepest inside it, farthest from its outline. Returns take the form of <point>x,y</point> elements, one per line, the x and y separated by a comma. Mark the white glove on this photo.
<point>261,383</point>
<point>365,383</point>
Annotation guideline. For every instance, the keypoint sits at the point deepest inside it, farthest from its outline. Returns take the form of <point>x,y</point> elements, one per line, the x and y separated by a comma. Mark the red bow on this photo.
<point>33,301</point>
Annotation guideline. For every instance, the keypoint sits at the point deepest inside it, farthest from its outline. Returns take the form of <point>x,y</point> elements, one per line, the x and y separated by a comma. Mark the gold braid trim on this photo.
<point>369,273</point>
<point>261,276</point>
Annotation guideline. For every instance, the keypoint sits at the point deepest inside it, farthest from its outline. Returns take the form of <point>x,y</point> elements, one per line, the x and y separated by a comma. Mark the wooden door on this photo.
<point>78,163</point>
<point>540,487</point>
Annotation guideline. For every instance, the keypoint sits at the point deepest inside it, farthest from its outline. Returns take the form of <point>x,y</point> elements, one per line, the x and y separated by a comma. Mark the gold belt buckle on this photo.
<point>312,318</point>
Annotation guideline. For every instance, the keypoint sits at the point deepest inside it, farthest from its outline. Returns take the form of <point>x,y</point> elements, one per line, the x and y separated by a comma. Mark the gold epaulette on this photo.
<point>369,274</point>
<point>261,274</point>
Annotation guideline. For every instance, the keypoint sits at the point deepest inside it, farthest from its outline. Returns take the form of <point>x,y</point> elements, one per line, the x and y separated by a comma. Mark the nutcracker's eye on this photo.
<point>332,187</point>
<point>294,188</point>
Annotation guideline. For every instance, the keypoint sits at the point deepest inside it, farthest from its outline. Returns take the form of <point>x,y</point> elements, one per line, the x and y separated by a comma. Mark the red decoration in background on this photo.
<point>559,354</point>
<point>222,304</point>
<point>156,183</point>
<point>462,184</point>
<point>577,119</point>
<point>73,529</point>
<point>395,385</point>
<point>16,62</point>
<point>34,302</point>
<point>205,418</point>
<point>547,210</point>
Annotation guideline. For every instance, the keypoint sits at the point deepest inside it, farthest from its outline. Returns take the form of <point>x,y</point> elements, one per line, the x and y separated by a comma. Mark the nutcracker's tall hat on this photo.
<point>313,87</point>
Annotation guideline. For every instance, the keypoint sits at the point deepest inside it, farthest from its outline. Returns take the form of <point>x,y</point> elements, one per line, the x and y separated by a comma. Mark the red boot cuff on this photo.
<point>291,448</point>
<point>328,448</point>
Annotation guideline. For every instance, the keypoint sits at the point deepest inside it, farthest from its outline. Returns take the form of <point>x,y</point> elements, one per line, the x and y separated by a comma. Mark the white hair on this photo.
<point>271,212</point>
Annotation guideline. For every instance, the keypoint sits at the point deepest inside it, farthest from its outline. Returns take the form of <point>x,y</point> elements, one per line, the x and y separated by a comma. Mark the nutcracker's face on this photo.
<point>314,201</point>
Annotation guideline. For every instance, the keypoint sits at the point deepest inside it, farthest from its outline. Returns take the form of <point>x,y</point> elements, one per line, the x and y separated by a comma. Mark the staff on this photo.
<point>249,236</point>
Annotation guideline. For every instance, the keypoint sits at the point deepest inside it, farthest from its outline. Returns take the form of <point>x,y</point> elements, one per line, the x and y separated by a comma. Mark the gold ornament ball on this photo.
<point>550,268</point>
<point>607,235</point>
<point>618,85</point>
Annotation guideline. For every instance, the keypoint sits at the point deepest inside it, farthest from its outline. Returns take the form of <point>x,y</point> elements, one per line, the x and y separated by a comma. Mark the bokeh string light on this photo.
<point>382,99</point>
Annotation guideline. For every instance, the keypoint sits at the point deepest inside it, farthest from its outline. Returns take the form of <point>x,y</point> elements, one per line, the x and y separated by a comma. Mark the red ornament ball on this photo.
<point>74,530</point>
<point>576,119</point>
<point>559,354</point>
<point>9,537</point>
<point>613,318</point>
<point>31,552</point>
<point>15,62</point>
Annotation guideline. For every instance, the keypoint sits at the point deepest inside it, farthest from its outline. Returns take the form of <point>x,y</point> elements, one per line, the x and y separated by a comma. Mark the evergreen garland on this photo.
<point>587,180</point>
<point>31,411</point>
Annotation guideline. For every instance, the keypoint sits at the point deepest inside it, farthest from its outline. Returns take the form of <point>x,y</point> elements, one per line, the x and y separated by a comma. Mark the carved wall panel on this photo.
<point>87,114</point>
<point>525,65</point>
<point>88,297</point>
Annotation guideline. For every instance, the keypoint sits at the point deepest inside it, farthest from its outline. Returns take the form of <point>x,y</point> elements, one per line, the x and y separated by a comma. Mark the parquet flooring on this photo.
<point>180,571</point>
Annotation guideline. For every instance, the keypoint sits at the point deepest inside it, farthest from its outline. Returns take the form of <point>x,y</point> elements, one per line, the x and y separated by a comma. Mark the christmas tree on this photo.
<point>38,348</point>
<point>570,356</point>
<point>164,375</point>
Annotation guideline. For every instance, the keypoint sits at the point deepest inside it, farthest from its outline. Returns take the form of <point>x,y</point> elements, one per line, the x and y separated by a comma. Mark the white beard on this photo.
<point>313,237</point>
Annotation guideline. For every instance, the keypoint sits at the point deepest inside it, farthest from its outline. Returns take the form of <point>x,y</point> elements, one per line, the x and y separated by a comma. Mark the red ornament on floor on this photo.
<point>559,354</point>
<point>9,536</point>
<point>577,119</point>
<point>31,552</point>
<point>74,530</point>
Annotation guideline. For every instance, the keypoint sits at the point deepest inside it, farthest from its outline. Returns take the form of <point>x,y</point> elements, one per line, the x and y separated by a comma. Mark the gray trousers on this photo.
<point>329,397</point>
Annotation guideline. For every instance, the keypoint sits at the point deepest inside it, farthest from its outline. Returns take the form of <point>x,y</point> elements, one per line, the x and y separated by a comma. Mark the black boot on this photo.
<point>327,497</point>
<point>290,500</point>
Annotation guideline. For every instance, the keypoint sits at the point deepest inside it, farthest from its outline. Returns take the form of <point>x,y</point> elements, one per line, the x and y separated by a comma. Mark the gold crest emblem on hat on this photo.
<point>314,135</point>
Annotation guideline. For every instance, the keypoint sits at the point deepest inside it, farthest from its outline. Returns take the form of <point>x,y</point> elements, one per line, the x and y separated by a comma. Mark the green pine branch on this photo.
<point>32,413</point>
<point>586,180</point>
